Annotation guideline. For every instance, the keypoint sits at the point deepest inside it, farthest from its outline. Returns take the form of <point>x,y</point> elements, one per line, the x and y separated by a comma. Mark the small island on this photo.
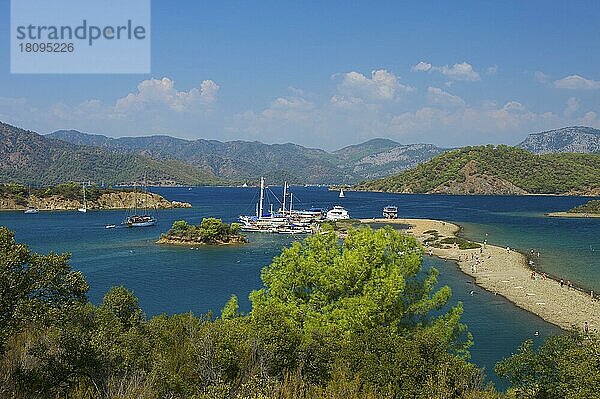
<point>211,231</point>
<point>590,209</point>
<point>70,196</point>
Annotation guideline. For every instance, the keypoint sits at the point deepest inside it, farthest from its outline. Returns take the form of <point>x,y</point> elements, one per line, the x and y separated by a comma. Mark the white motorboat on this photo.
<point>337,213</point>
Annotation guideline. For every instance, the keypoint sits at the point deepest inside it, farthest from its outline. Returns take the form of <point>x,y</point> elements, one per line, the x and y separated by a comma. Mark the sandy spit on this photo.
<point>505,272</point>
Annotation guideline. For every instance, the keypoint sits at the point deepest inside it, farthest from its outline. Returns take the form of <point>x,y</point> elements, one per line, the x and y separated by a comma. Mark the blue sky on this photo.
<point>329,74</point>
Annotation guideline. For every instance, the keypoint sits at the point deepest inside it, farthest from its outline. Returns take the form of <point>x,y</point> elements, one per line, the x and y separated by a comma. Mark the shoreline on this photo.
<point>507,273</point>
<point>572,215</point>
<point>191,243</point>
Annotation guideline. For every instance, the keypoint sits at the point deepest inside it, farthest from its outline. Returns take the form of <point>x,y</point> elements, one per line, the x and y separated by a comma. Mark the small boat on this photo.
<point>337,213</point>
<point>342,195</point>
<point>390,212</point>
<point>110,226</point>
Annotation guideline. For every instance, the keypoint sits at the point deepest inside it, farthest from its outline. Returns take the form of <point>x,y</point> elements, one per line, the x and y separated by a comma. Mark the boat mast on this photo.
<point>144,198</point>
<point>135,198</point>
<point>262,196</point>
<point>291,202</point>
<point>284,195</point>
<point>84,202</point>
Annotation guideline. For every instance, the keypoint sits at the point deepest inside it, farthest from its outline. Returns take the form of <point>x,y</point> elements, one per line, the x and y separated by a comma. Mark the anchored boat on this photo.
<point>337,213</point>
<point>286,220</point>
<point>390,212</point>
<point>140,220</point>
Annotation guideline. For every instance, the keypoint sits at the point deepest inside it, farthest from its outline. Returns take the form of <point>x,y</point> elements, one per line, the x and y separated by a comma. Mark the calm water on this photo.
<point>171,280</point>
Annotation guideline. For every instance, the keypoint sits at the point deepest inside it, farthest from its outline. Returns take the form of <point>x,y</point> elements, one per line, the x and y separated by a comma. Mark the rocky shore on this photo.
<point>112,200</point>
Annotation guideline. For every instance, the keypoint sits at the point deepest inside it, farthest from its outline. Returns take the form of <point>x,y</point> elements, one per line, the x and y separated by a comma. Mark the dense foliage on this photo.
<point>537,174</point>
<point>68,191</point>
<point>592,206</point>
<point>209,231</point>
<point>357,319</point>
<point>566,366</point>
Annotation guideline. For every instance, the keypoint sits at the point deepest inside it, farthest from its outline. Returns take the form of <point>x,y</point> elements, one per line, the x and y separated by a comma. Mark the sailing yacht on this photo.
<point>143,220</point>
<point>30,210</point>
<point>84,209</point>
<point>342,195</point>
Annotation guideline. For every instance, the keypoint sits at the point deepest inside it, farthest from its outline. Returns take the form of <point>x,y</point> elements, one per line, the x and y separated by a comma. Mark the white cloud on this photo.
<point>356,109</point>
<point>345,101</point>
<point>438,96</point>
<point>572,107</point>
<point>590,119</point>
<point>514,106</point>
<point>541,77</point>
<point>421,67</point>
<point>463,71</point>
<point>382,85</point>
<point>492,70</point>
<point>576,82</point>
<point>161,93</point>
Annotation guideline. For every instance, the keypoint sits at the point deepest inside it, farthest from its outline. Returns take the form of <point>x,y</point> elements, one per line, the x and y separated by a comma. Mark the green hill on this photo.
<point>497,170</point>
<point>30,158</point>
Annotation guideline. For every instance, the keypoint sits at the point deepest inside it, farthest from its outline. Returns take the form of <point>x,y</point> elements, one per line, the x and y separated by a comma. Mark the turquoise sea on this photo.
<point>173,280</point>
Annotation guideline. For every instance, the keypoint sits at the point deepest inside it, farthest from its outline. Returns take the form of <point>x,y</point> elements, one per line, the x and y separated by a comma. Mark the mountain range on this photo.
<point>579,139</point>
<point>30,158</point>
<point>246,161</point>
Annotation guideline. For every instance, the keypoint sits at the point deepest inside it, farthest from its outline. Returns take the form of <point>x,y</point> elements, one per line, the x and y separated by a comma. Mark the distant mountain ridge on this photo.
<point>580,139</point>
<point>245,160</point>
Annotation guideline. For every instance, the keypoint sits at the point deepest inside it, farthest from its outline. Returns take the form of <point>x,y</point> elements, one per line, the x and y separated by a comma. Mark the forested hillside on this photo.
<point>29,158</point>
<point>497,170</point>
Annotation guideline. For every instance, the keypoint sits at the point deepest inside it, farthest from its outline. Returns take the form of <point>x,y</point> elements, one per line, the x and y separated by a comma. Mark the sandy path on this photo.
<point>506,273</point>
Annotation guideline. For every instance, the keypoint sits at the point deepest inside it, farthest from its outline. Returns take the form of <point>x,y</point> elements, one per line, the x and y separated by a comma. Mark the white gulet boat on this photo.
<point>284,221</point>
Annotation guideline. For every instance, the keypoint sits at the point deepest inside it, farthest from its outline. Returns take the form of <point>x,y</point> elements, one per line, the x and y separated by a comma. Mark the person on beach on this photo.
<point>507,250</point>
<point>533,275</point>
<point>569,284</point>
<point>592,294</point>
<point>544,276</point>
<point>562,283</point>
<point>586,327</point>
